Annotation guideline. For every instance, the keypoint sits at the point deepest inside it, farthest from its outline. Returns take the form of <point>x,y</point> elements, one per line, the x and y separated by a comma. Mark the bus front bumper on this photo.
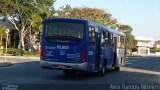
<point>63,66</point>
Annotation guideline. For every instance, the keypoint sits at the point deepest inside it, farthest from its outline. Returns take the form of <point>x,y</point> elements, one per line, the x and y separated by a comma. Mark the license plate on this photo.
<point>61,66</point>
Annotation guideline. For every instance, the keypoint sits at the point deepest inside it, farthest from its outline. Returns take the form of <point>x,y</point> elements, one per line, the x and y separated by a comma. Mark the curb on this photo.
<point>134,56</point>
<point>6,64</point>
<point>24,57</point>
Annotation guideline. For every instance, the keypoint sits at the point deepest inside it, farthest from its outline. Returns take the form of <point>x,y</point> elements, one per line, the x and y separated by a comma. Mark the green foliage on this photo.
<point>30,13</point>
<point>2,30</point>
<point>30,53</point>
<point>19,52</point>
<point>0,43</point>
<point>153,50</point>
<point>131,42</point>
<point>1,51</point>
<point>134,49</point>
<point>93,14</point>
<point>14,52</point>
<point>2,33</point>
<point>26,15</point>
<point>158,50</point>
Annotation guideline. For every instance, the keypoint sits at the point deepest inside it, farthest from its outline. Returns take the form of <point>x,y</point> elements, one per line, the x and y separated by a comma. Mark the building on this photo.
<point>30,40</point>
<point>13,38</point>
<point>143,45</point>
<point>157,44</point>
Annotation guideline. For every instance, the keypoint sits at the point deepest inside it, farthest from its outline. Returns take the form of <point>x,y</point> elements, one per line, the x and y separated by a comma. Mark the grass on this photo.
<point>134,55</point>
<point>37,55</point>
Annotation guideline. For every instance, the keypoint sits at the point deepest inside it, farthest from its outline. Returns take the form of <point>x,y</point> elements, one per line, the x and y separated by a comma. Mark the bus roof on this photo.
<point>82,20</point>
<point>108,29</point>
<point>64,19</point>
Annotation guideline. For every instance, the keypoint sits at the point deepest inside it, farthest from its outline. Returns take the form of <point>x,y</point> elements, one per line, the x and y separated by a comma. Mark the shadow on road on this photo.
<point>32,68</point>
<point>79,76</point>
<point>146,65</point>
<point>31,72</point>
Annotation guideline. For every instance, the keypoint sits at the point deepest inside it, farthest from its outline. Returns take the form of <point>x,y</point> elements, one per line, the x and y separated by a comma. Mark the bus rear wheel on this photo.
<point>117,68</point>
<point>103,71</point>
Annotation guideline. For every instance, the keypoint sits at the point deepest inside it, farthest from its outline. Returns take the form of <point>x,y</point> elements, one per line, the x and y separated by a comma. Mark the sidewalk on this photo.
<point>24,57</point>
<point>11,60</point>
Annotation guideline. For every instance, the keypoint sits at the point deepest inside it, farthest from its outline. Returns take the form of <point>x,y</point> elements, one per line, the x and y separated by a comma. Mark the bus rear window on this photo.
<point>64,30</point>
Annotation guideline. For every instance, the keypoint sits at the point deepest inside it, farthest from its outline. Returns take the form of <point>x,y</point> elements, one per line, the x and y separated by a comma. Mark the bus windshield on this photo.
<point>64,30</point>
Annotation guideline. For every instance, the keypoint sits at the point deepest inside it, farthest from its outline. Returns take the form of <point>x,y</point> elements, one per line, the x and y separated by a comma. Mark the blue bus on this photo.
<point>75,45</point>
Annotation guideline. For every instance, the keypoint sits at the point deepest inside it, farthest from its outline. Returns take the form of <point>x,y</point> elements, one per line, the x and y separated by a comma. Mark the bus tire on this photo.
<point>103,71</point>
<point>117,68</point>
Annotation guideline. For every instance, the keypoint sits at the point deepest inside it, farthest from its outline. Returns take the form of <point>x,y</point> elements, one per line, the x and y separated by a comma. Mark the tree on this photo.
<point>19,13</point>
<point>2,33</point>
<point>131,42</point>
<point>93,14</point>
<point>44,10</point>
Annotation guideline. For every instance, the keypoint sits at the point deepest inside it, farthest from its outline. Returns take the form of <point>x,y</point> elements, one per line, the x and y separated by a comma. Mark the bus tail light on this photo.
<point>42,53</point>
<point>83,56</point>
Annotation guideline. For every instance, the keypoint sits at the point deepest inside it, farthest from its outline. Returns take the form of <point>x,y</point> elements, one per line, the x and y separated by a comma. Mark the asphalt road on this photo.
<point>138,70</point>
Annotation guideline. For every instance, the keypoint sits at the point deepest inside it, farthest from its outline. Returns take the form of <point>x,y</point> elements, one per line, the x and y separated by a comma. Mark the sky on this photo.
<point>142,15</point>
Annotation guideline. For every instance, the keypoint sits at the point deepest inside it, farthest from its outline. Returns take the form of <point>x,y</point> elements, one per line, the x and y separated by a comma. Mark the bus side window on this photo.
<point>102,39</point>
<point>92,36</point>
<point>110,40</point>
<point>106,38</point>
<point>122,42</point>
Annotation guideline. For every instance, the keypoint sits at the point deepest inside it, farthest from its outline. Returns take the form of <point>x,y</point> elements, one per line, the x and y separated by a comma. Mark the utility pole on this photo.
<point>7,31</point>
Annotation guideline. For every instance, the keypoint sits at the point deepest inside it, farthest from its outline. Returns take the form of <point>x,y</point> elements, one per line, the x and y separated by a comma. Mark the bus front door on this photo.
<point>97,48</point>
<point>114,52</point>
